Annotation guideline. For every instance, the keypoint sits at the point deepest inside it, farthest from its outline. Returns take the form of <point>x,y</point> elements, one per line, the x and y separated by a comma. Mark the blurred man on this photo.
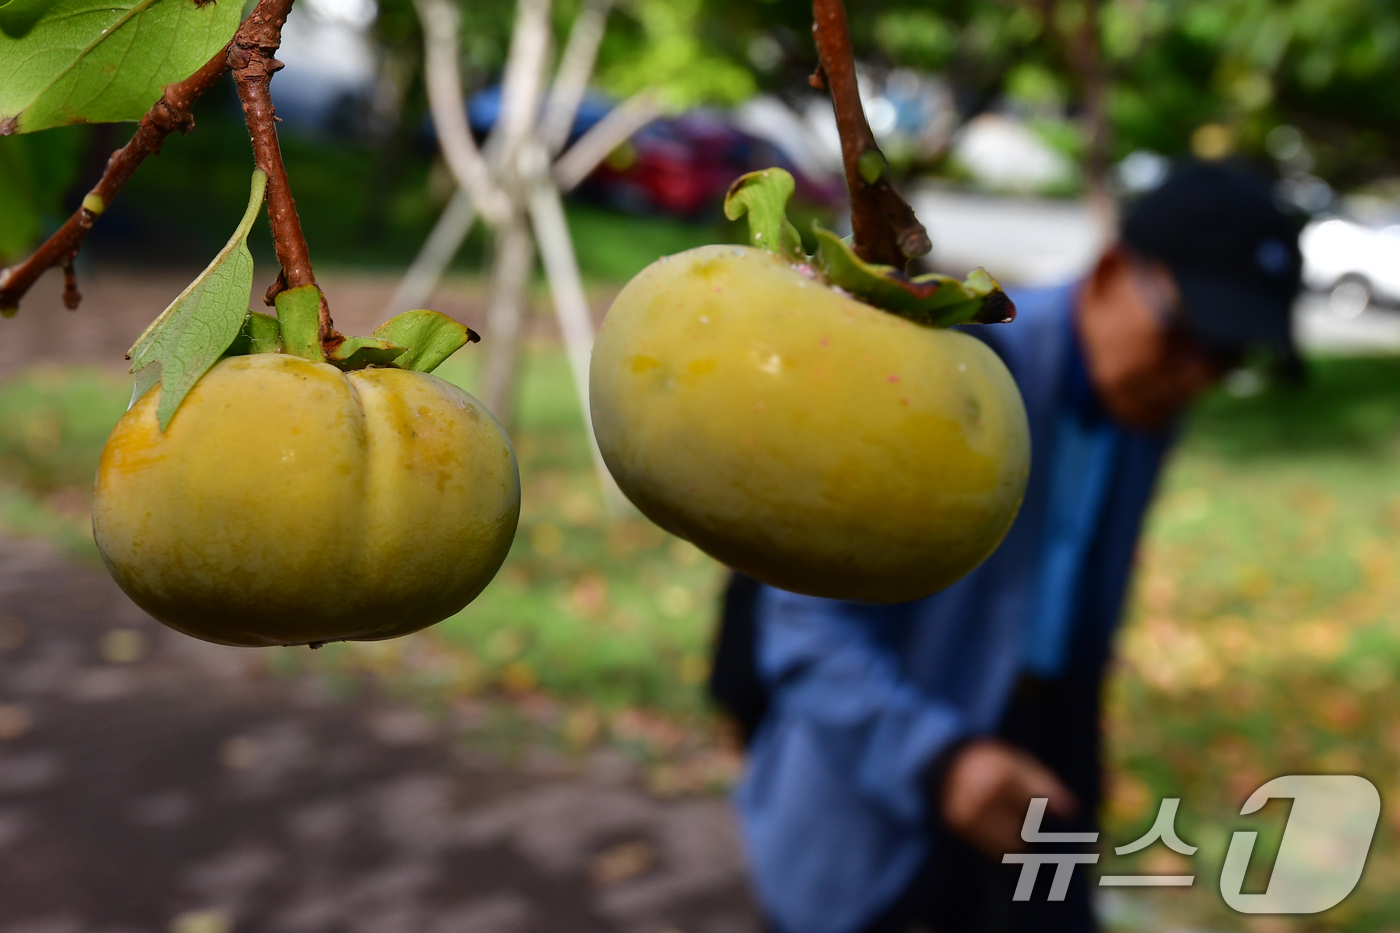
<point>901,745</point>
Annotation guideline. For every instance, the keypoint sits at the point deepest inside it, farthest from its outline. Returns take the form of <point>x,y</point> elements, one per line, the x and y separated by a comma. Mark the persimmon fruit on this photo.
<point>289,502</point>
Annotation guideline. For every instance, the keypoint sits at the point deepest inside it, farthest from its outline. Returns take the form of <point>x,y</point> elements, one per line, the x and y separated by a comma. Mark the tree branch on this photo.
<point>170,113</point>
<point>253,62</point>
<point>886,230</point>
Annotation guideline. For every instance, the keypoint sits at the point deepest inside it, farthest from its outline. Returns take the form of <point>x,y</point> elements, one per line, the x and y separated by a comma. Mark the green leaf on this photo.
<point>359,352</point>
<point>764,197</point>
<point>200,324</point>
<point>299,317</point>
<point>76,61</point>
<point>430,338</point>
<point>260,334</point>
<point>933,300</point>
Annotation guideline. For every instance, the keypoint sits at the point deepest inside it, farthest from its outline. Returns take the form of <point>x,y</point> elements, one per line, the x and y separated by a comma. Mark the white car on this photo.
<point>1355,264</point>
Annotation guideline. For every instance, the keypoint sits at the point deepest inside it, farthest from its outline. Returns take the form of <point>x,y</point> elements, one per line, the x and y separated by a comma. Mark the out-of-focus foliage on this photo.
<point>1327,67</point>
<point>53,424</point>
<point>661,44</point>
<point>36,171</point>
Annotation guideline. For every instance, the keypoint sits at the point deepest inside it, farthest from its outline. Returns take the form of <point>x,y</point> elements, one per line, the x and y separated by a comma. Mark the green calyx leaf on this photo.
<point>299,318</point>
<point>359,352</point>
<point>260,334</point>
<point>429,336</point>
<point>764,197</point>
<point>933,300</point>
<point>202,322</point>
<point>416,340</point>
<point>73,61</point>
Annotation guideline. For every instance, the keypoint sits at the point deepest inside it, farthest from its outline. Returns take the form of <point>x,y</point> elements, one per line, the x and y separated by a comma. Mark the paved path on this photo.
<point>150,782</point>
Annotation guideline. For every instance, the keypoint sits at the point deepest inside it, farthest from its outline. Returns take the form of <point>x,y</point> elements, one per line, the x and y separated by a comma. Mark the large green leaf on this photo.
<point>191,334</point>
<point>80,61</point>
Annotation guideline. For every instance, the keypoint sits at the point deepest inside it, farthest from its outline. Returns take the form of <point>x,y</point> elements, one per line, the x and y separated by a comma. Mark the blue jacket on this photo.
<point>864,698</point>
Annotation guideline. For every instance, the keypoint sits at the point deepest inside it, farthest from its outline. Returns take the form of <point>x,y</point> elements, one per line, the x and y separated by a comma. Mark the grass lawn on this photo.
<point>1263,635</point>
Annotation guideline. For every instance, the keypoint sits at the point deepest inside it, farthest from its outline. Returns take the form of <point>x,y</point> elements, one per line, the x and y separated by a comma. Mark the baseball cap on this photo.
<point>1231,249</point>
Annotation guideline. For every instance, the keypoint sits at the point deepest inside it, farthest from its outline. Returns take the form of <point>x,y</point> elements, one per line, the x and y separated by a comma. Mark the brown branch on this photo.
<point>886,230</point>
<point>170,113</point>
<point>253,61</point>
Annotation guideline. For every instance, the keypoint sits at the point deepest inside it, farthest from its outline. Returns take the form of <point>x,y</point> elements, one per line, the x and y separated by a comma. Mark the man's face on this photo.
<point>1144,367</point>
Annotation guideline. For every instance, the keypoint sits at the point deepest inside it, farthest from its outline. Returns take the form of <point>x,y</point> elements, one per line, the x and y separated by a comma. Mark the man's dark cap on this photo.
<point>1231,249</point>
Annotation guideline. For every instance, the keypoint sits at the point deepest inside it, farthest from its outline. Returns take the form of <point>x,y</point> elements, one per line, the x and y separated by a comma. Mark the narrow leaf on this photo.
<point>933,300</point>
<point>191,334</point>
<point>75,61</point>
<point>430,338</point>
<point>299,317</point>
<point>764,197</point>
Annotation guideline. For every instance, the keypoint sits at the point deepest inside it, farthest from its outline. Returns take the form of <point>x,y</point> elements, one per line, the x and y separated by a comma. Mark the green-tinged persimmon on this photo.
<point>289,502</point>
<point>819,443</point>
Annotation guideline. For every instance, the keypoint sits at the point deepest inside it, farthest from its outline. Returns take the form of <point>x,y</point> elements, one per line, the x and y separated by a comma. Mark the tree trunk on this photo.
<point>510,277</point>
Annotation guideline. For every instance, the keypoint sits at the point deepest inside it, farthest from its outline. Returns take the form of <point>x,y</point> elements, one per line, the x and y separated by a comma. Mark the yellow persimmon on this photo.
<point>818,443</point>
<point>289,503</point>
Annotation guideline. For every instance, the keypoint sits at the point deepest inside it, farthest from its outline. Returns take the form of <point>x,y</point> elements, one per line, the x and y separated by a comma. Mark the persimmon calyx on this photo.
<point>932,300</point>
<point>415,340</point>
<point>764,197</point>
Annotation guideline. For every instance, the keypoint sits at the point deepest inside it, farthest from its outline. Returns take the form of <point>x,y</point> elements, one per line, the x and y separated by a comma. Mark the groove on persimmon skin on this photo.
<point>290,503</point>
<point>815,442</point>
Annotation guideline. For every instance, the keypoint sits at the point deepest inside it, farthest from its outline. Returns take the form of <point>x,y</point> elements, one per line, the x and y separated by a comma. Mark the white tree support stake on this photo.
<point>515,181</point>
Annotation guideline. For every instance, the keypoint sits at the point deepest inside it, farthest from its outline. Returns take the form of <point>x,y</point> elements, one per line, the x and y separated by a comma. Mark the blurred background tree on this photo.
<point>1326,67</point>
<point>1216,76</point>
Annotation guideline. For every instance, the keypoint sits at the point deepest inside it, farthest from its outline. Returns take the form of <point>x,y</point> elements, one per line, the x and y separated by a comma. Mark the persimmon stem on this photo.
<point>253,61</point>
<point>886,230</point>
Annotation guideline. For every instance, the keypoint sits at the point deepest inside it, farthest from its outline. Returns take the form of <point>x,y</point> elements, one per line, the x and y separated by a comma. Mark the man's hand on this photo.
<point>986,791</point>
